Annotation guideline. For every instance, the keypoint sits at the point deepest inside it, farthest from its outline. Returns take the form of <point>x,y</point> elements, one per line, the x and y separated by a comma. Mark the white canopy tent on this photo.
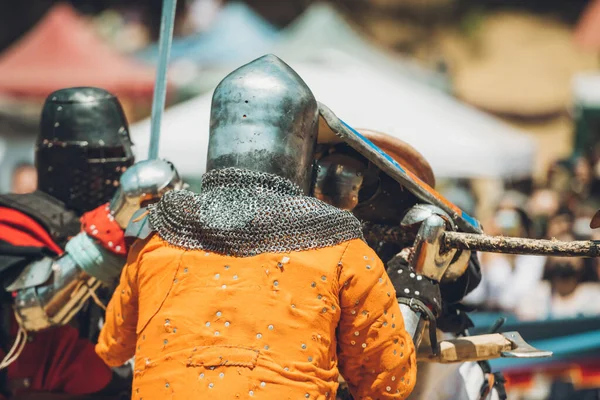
<point>458,140</point>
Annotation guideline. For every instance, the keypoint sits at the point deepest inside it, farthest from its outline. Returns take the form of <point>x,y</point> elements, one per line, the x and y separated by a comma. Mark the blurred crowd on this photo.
<point>538,287</point>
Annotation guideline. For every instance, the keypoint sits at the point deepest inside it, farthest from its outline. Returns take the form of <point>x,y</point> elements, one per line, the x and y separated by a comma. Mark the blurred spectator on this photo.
<point>560,223</point>
<point>507,279</point>
<point>24,179</point>
<point>563,293</point>
<point>542,204</point>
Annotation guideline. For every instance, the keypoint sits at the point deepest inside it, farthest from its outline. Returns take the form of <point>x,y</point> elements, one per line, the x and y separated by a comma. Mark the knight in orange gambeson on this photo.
<point>252,289</point>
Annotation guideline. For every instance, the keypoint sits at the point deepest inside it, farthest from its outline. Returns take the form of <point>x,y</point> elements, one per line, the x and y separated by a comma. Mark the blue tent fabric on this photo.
<point>238,35</point>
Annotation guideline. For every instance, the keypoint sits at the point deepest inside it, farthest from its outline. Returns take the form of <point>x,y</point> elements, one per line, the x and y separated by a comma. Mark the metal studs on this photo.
<point>286,369</point>
<point>293,306</point>
<point>221,375</point>
<point>323,278</point>
<point>365,312</point>
<point>303,346</point>
<point>352,342</point>
<point>201,376</point>
<point>307,395</point>
<point>417,293</point>
<point>353,312</point>
<point>380,280</point>
<point>275,283</point>
<point>217,276</point>
<point>407,290</point>
<point>324,310</point>
<point>165,341</point>
<point>56,124</point>
<point>388,389</point>
<point>259,335</point>
<point>393,326</point>
<point>313,284</point>
<point>412,275</point>
<point>174,330</point>
<point>419,277</point>
<point>251,393</point>
<point>235,277</point>
<point>270,327</point>
<point>217,333</point>
<point>227,267</point>
<point>320,297</point>
<point>219,313</point>
<point>211,385</point>
<point>185,270</point>
<point>167,385</point>
<point>207,324</point>
<point>267,347</point>
<point>333,308</point>
<point>263,384</point>
<point>393,378</point>
<point>224,287</point>
<point>227,323</point>
<point>356,333</point>
<point>395,352</point>
<point>385,323</point>
<point>365,257</point>
<point>175,280</point>
<point>167,321</point>
<point>364,345</point>
<point>368,267</point>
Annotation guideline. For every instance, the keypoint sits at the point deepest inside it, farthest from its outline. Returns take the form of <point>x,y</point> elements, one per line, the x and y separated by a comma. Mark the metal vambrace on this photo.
<point>50,292</point>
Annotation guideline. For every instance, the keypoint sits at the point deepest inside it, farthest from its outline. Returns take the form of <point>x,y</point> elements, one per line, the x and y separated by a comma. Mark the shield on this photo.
<point>332,129</point>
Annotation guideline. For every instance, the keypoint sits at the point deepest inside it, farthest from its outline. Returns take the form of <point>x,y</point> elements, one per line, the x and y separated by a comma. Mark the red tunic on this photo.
<point>57,360</point>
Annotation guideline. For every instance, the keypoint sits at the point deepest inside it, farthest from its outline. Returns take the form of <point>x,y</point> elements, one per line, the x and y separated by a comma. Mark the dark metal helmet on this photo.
<point>264,118</point>
<point>83,147</point>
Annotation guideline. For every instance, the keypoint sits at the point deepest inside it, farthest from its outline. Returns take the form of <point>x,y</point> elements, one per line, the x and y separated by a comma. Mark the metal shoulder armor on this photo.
<point>142,184</point>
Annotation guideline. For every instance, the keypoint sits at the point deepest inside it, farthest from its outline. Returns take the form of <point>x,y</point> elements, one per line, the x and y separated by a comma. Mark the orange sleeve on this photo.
<point>377,356</point>
<point>116,343</point>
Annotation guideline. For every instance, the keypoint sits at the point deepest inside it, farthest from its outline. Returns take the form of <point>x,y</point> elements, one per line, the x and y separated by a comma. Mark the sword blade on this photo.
<point>160,87</point>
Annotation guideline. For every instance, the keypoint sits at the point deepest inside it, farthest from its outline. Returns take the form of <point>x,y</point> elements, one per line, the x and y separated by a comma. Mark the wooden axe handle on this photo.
<point>464,349</point>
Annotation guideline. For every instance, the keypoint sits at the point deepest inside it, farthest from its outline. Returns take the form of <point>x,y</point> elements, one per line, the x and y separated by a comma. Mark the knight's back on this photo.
<point>263,324</point>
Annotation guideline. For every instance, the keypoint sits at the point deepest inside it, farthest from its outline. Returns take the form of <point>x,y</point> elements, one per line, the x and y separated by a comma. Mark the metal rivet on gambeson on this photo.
<point>380,280</point>
<point>275,283</point>
<point>313,284</point>
<point>353,312</point>
<point>167,385</point>
<point>259,335</point>
<point>307,395</point>
<point>407,291</point>
<point>352,342</point>
<point>202,376</point>
<point>293,306</point>
<point>217,276</point>
<point>251,393</point>
<point>223,286</point>
<point>395,351</point>
<point>364,345</point>
<point>393,326</point>
<point>303,346</point>
<point>385,323</point>
<point>167,321</point>
<point>368,267</point>
<point>400,271</point>
<point>174,330</point>
<point>320,297</point>
<point>270,327</point>
<point>412,275</point>
<point>221,375</point>
<point>227,267</point>
<point>356,333</point>
<point>365,312</point>
<point>310,359</point>
<point>211,385</point>
<point>286,369</point>
<point>324,310</point>
<point>393,378</point>
<point>333,308</point>
<point>365,257</point>
<point>388,388</point>
<point>207,324</point>
<point>219,313</point>
<point>217,333</point>
<point>324,278</point>
<point>227,323</point>
<point>185,270</point>
<point>262,384</point>
<point>235,277</point>
<point>165,341</point>
<point>267,347</point>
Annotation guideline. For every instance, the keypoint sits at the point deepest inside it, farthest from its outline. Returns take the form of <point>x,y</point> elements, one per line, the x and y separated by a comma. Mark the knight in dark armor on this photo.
<point>349,181</point>
<point>82,150</point>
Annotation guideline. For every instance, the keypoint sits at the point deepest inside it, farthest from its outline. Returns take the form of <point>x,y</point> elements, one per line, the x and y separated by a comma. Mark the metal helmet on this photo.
<point>83,147</point>
<point>264,118</point>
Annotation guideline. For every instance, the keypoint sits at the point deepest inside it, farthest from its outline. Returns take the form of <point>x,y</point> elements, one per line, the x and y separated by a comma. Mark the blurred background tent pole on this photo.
<point>160,88</point>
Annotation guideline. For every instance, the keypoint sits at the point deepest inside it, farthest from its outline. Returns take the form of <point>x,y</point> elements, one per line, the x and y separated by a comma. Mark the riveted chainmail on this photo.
<point>244,213</point>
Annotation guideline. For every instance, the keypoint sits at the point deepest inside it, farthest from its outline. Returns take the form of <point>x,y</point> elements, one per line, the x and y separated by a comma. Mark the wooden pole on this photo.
<point>487,244</point>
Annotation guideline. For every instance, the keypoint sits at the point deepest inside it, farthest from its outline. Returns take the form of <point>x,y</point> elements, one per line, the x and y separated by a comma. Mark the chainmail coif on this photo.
<point>243,213</point>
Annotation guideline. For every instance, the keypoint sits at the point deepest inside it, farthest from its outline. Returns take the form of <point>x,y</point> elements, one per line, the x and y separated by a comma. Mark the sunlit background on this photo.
<point>501,97</point>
